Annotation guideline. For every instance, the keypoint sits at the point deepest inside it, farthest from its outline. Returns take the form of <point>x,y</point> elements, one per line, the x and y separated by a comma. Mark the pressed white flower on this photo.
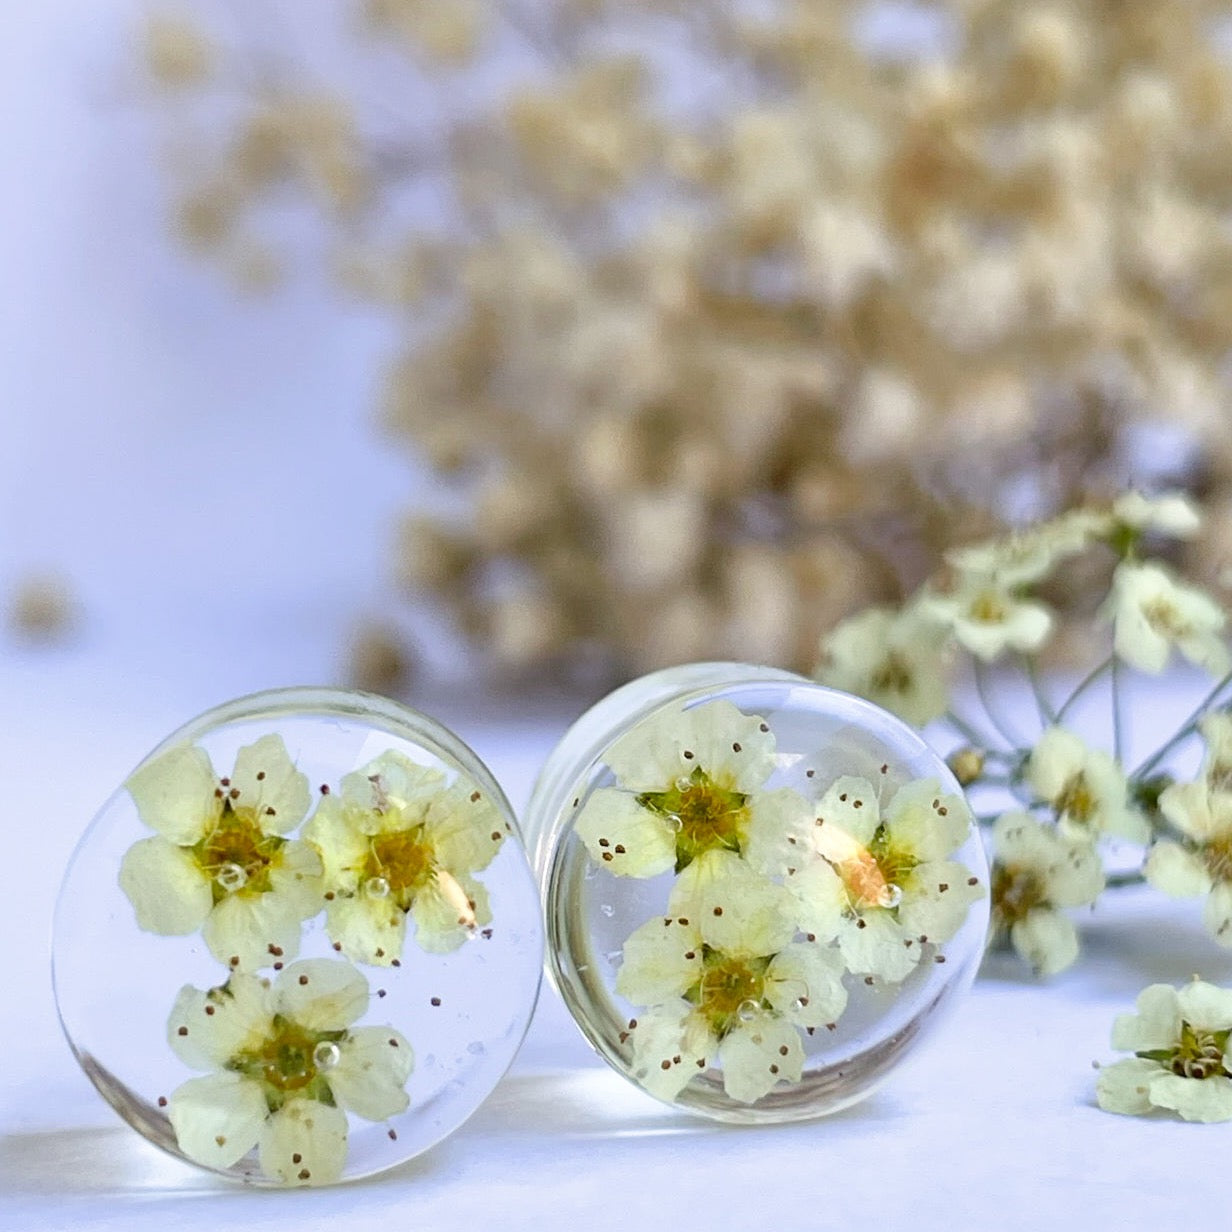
<point>1152,612</point>
<point>287,1065</point>
<point>220,861</point>
<point>882,884</point>
<point>1216,729</point>
<point>399,839</point>
<point>895,659</point>
<point>1169,513</point>
<point>721,974</point>
<point>1036,872</point>
<point>988,616</point>
<point>1179,1038</point>
<point>1086,787</point>
<point>690,781</point>
<point>1202,863</point>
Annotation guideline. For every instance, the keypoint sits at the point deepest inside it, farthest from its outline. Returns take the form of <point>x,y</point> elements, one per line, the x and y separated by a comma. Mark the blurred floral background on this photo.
<point>557,341</point>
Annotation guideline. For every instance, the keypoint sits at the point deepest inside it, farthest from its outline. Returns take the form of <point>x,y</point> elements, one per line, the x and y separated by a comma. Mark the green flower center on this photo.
<point>988,608</point>
<point>893,675</point>
<point>291,1061</point>
<point>731,990</point>
<point>1198,1054</point>
<point>400,864</point>
<point>1015,892</point>
<point>704,815</point>
<point>237,855</point>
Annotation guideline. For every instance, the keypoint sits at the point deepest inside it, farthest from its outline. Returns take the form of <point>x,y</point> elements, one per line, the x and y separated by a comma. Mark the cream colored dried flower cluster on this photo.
<point>728,319</point>
<point>1071,799</point>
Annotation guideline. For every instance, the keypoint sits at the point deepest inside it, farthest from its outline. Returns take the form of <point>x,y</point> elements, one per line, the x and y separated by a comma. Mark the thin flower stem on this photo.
<point>1183,733</point>
<point>1048,716</point>
<point>964,727</point>
<point>1083,685</point>
<point>982,690</point>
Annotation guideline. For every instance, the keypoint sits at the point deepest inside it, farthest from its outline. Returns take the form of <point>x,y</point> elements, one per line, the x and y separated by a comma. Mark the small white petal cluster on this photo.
<point>399,841</point>
<point>1179,1038</point>
<point>775,900</point>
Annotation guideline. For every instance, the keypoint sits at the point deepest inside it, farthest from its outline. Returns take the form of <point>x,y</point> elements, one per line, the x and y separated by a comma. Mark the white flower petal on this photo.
<point>370,930</point>
<point>206,1029</point>
<point>736,909</point>
<point>757,1056</point>
<point>735,749</point>
<point>1177,872</point>
<point>370,1076</point>
<point>464,827</point>
<point>447,912</point>
<point>1195,810</point>
<point>662,961</point>
<point>268,782</point>
<point>174,793</point>
<point>937,899</point>
<point>821,900</point>
<point>321,994</point>
<point>1046,939</point>
<point>668,1046</point>
<point>394,783</point>
<point>778,828</point>
<point>1206,1007</point>
<point>1058,755</point>
<point>304,1143</point>
<point>1125,1087</point>
<point>1217,913</point>
<point>169,893</point>
<point>217,1118</point>
<point>926,821</point>
<point>649,756</point>
<point>850,806</point>
<point>343,847</point>
<point>624,837</point>
<point>1157,1023</point>
<point>874,943</point>
<point>804,983</point>
<point>251,927</point>
<point>1195,1099</point>
<point>295,877</point>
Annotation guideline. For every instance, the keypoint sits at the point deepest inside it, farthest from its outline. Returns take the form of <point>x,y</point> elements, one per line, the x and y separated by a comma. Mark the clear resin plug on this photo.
<point>761,894</point>
<point>302,942</point>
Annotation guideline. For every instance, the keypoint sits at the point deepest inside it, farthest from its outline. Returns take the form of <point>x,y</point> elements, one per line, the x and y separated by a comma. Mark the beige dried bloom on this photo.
<point>722,345</point>
<point>42,608</point>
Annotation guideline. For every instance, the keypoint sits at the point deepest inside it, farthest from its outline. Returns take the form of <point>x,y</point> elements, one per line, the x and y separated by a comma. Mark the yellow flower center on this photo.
<point>400,863</point>
<point>988,608</point>
<point>893,675</point>
<point>1217,856</point>
<point>1164,618</point>
<point>1015,892</point>
<point>730,991</point>
<point>1076,800</point>
<point>705,815</point>
<point>236,854</point>
<point>291,1061</point>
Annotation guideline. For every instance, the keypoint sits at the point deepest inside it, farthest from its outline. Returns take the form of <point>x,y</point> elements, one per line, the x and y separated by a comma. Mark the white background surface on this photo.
<point>204,474</point>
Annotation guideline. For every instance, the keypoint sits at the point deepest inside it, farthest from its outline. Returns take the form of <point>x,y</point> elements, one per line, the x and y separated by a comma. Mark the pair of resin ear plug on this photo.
<point>303,942</point>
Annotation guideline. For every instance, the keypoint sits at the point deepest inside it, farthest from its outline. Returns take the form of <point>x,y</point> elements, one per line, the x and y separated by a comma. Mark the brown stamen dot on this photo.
<point>276,950</point>
<point>393,1043</point>
<point>939,958</point>
<point>810,936</point>
<point>217,793</point>
<point>278,966</point>
<point>225,782</point>
<point>603,842</point>
<point>303,1174</point>
<point>682,919</point>
<point>665,1065</point>
<point>182,1031</point>
<point>260,776</point>
<point>803,1002</point>
<point>209,1009</point>
<point>861,923</point>
<point>395,962</point>
<point>325,789</point>
<point>380,992</point>
<point>380,952</point>
<point>783,1050</point>
<point>774,1069</point>
<point>303,979</point>
<point>234,960</point>
<point>632,1024</point>
<point>220,1139</point>
<point>843,797</point>
<point>718,911</point>
<point>474,796</point>
<point>162,1101</point>
<point>973,881</point>
<point>436,1000</point>
<point>701,1062</point>
<point>234,793</point>
<point>688,754</point>
<point>676,1059</point>
<point>330,896</point>
<point>619,849</point>
<point>810,1030</point>
<point>763,727</point>
<point>393,1135</point>
<point>885,768</point>
<point>690,955</point>
<point>624,1037</point>
<point>607,855</point>
<point>943,811</point>
<point>576,801</point>
<point>857,804</point>
<point>868,979</point>
<point>337,950</point>
<point>943,886</point>
<point>808,774</point>
<point>736,746</point>
<point>269,812</point>
<point>495,836</point>
<point>486,934</point>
